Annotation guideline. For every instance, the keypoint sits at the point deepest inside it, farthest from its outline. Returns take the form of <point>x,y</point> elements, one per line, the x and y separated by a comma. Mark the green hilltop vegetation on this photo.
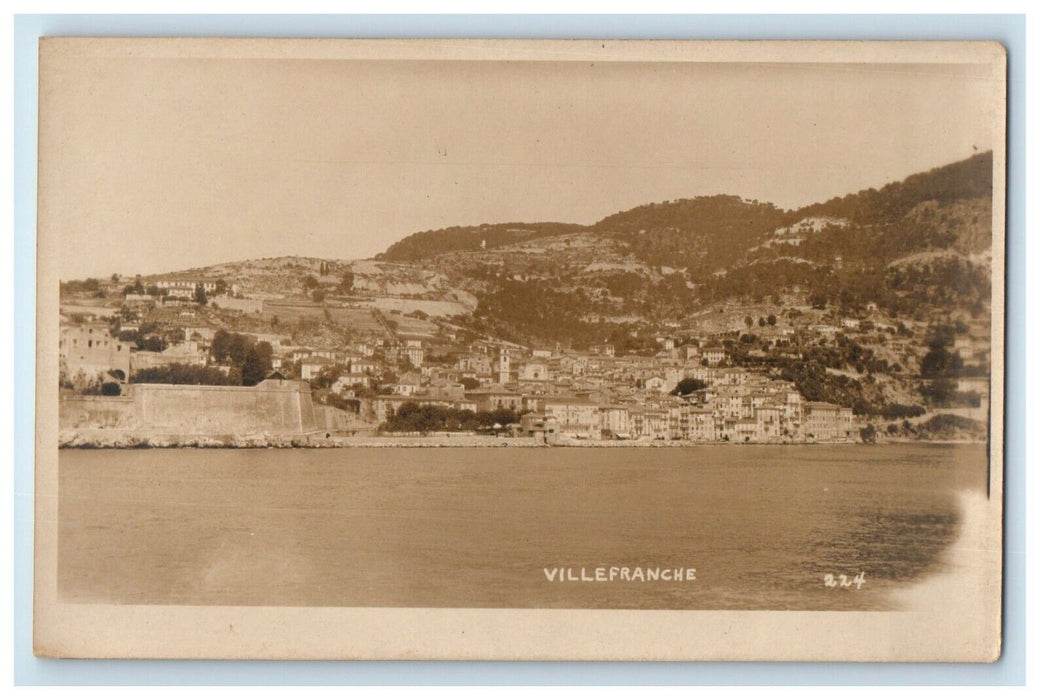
<point>426,244</point>
<point>701,234</point>
<point>966,179</point>
<point>906,247</point>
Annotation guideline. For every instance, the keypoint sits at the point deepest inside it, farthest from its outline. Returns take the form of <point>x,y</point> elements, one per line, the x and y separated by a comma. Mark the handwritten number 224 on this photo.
<point>842,581</point>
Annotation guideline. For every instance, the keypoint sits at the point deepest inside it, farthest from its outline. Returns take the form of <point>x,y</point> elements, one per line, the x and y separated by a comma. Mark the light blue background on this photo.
<point>1008,29</point>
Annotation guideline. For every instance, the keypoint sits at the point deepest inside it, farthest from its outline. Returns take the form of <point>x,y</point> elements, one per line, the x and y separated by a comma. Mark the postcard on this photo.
<point>442,349</point>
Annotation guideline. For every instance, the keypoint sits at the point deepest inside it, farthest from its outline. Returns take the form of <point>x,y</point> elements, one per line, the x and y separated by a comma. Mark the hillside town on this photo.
<point>388,376</point>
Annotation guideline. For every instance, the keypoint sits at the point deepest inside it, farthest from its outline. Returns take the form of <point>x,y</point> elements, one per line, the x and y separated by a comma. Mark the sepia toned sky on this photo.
<point>160,164</point>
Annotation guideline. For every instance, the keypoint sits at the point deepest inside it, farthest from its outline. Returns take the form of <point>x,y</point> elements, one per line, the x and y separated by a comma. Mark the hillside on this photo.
<point>868,246</point>
<point>426,244</point>
<point>701,234</point>
<point>917,248</point>
<point>367,282</point>
<point>963,180</point>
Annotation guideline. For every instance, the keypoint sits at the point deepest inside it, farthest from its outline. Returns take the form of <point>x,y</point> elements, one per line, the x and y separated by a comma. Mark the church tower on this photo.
<point>503,366</point>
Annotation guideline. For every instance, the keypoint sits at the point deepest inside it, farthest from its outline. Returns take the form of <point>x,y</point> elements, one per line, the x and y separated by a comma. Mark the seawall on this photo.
<point>274,407</point>
<point>97,412</point>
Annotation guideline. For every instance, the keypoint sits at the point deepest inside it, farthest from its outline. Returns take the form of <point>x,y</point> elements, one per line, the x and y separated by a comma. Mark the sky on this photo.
<point>152,165</point>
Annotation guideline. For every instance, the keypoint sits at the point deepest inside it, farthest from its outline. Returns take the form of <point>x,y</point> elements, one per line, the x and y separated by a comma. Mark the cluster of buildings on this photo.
<point>593,396</point>
<point>88,352</point>
<point>589,395</point>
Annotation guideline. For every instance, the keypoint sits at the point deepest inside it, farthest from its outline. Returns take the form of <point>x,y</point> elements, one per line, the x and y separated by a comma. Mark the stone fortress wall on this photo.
<point>275,406</point>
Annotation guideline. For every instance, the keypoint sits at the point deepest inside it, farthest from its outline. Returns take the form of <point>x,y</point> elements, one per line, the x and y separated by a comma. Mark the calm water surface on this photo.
<point>475,527</point>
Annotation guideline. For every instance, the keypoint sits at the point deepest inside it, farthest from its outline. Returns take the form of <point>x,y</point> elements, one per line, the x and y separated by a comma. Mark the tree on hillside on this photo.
<point>257,363</point>
<point>688,386</point>
<point>251,360</point>
<point>151,343</point>
<point>183,374</point>
<point>327,376</point>
<point>90,286</point>
<point>939,362</point>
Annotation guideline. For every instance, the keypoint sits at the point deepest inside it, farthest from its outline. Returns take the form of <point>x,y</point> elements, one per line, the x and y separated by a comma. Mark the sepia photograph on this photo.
<point>520,349</point>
